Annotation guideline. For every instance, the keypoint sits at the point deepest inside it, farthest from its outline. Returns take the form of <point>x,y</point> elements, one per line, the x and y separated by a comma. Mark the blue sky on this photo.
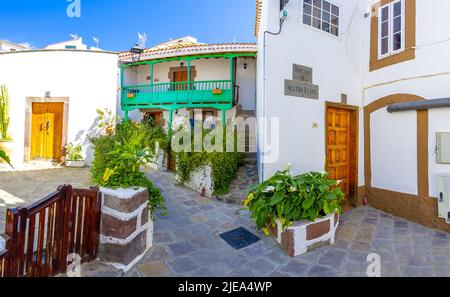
<point>116,22</point>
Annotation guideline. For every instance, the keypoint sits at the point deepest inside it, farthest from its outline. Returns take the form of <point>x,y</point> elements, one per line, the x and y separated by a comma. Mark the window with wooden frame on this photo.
<point>393,29</point>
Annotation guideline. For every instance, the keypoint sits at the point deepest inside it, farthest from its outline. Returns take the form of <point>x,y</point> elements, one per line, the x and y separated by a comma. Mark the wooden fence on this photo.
<point>40,237</point>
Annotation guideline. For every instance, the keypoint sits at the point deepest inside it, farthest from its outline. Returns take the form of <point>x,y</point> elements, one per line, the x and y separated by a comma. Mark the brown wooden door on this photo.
<point>46,131</point>
<point>341,149</point>
<point>180,76</point>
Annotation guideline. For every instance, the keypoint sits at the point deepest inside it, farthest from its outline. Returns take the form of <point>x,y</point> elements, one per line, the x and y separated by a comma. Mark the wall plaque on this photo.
<point>301,89</point>
<point>302,73</point>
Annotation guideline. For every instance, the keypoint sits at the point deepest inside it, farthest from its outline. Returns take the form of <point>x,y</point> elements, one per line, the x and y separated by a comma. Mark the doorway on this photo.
<point>46,131</point>
<point>342,149</point>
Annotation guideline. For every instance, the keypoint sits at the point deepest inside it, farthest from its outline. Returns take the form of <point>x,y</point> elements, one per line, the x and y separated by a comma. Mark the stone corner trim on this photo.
<point>304,236</point>
<point>126,232</point>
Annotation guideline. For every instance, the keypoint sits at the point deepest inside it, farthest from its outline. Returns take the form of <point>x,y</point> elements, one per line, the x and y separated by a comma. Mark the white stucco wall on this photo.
<point>336,63</point>
<point>426,76</point>
<point>394,151</point>
<point>88,78</point>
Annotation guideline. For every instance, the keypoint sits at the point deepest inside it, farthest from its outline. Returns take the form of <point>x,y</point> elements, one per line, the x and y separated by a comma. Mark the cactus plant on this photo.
<point>4,113</point>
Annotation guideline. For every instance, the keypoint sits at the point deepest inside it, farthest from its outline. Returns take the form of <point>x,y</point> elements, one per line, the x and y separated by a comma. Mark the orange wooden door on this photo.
<point>46,131</point>
<point>341,148</point>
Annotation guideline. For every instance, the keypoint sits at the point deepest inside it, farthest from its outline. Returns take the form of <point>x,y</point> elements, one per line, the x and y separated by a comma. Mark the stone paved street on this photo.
<point>246,176</point>
<point>22,187</point>
<point>187,243</point>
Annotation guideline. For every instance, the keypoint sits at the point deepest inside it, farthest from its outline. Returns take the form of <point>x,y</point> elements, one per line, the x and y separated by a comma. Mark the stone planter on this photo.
<point>201,181</point>
<point>126,229</point>
<point>75,164</point>
<point>305,236</point>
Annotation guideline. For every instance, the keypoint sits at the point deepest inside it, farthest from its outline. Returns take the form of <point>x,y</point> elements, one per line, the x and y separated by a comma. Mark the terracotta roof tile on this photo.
<point>188,49</point>
<point>259,4</point>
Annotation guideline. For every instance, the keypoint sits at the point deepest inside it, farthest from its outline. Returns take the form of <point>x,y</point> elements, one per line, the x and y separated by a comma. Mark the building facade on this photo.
<point>184,80</point>
<point>54,97</point>
<point>354,85</point>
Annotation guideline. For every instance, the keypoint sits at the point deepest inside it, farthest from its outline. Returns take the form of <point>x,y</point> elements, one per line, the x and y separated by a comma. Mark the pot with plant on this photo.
<point>74,156</point>
<point>300,212</point>
<point>130,201</point>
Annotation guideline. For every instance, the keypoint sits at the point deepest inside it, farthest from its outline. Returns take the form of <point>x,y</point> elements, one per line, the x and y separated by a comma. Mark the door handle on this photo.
<point>47,125</point>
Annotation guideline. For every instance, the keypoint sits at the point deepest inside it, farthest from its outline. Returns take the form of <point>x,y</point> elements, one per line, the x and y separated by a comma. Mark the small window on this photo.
<point>322,15</point>
<point>71,47</point>
<point>391,28</point>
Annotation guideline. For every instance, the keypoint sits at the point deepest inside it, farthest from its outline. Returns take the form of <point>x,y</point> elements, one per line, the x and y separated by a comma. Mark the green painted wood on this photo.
<point>176,95</point>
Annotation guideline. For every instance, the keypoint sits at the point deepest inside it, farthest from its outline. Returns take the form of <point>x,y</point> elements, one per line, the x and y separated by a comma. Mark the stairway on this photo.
<point>250,136</point>
<point>247,175</point>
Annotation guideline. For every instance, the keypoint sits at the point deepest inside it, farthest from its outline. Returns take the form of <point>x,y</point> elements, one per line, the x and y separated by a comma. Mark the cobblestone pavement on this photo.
<point>187,243</point>
<point>245,177</point>
<point>22,187</point>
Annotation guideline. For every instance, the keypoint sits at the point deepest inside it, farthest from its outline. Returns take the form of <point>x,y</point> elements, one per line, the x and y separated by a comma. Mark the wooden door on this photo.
<point>341,150</point>
<point>180,76</point>
<point>46,131</point>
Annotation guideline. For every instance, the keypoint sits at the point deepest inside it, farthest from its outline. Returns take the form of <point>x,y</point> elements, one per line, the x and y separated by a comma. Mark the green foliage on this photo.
<point>119,156</point>
<point>4,157</point>
<point>74,152</point>
<point>224,164</point>
<point>4,113</point>
<point>287,198</point>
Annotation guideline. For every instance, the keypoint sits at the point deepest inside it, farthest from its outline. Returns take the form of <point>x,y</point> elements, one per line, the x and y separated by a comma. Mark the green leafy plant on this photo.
<point>118,158</point>
<point>288,198</point>
<point>4,157</point>
<point>4,113</point>
<point>224,165</point>
<point>74,152</point>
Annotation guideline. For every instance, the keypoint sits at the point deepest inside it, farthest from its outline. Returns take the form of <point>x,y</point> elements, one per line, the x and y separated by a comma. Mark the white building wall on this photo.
<point>337,69</point>
<point>394,151</point>
<point>89,79</point>
<point>426,76</point>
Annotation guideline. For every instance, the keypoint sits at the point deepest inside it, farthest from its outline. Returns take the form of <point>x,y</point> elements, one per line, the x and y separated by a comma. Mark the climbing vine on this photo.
<point>224,164</point>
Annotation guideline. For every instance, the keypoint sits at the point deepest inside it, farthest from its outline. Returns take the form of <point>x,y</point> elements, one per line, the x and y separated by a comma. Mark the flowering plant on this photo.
<point>288,198</point>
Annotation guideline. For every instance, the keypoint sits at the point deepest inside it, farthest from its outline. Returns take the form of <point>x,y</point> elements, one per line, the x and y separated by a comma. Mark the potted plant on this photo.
<point>74,157</point>
<point>6,143</point>
<point>300,212</point>
<point>5,158</point>
<point>130,201</point>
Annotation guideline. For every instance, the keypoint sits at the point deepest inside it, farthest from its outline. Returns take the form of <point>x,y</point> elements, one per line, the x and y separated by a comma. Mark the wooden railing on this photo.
<point>212,93</point>
<point>40,237</point>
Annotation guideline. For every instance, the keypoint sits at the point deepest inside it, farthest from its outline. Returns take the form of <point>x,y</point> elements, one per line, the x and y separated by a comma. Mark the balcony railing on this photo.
<point>212,93</point>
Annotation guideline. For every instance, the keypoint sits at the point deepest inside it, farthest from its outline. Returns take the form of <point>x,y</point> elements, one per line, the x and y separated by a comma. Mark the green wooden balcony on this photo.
<point>217,94</point>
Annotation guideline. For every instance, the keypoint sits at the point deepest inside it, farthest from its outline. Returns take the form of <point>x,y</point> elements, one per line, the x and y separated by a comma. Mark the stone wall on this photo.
<point>304,236</point>
<point>126,230</point>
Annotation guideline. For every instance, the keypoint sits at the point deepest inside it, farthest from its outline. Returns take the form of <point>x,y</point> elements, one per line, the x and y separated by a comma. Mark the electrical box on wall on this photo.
<point>443,147</point>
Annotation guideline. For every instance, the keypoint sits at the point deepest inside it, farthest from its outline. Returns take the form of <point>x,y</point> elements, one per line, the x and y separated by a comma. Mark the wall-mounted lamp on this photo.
<point>245,66</point>
<point>182,64</point>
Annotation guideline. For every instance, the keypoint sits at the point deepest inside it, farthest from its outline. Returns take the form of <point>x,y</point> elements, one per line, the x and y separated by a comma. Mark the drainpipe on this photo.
<point>265,82</point>
<point>420,105</point>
